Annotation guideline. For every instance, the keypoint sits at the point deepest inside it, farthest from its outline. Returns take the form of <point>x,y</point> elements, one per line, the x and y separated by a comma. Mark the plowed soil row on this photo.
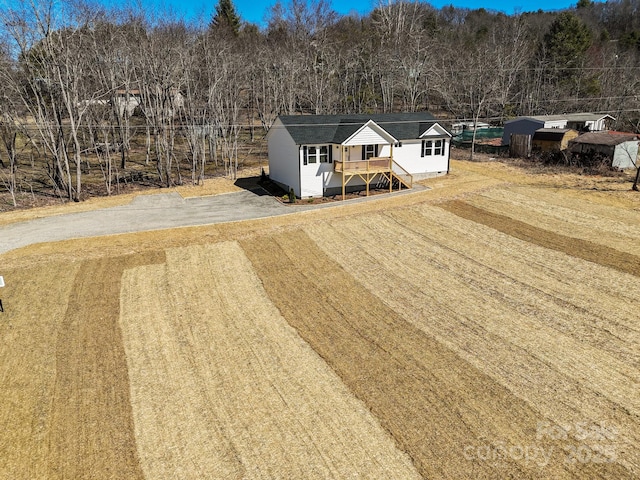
<point>577,247</point>
<point>84,417</point>
<point>573,358</point>
<point>585,201</point>
<point>582,299</point>
<point>222,387</point>
<point>432,401</point>
<point>576,221</point>
<point>35,301</point>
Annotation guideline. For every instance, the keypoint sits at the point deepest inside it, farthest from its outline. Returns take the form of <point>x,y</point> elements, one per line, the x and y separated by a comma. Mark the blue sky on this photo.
<point>255,10</point>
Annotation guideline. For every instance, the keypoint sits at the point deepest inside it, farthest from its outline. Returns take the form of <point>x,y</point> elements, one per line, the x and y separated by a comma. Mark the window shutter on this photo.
<point>364,152</point>
<point>304,155</point>
<point>422,149</point>
<point>330,153</point>
<point>376,154</point>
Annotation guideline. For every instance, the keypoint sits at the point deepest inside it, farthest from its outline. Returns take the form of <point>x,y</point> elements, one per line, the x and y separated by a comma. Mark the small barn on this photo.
<point>621,149</point>
<point>552,139</point>
<point>582,122</point>
<point>322,155</point>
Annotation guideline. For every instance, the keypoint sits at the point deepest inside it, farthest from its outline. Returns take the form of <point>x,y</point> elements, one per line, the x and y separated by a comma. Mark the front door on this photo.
<point>311,172</point>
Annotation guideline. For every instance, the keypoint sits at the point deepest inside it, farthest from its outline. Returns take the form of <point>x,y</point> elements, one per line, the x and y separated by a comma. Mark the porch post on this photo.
<point>391,166</point>
<point>343,167</point>
<point>366,175</point>
<point>390,174</point>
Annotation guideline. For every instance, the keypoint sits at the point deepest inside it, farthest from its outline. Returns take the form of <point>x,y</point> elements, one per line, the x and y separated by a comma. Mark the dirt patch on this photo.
<point>92,425</point>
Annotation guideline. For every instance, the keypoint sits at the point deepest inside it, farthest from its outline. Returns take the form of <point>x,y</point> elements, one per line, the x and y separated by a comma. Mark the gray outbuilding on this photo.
<point>620,148</point>
<point>582,122</point>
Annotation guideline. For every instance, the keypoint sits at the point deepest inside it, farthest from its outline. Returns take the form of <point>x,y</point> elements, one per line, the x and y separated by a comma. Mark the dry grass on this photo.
<point>431,401</point>
<point>585,249</point>
<point>222,384</point>
<point>372,340</point>
<point>607,226</point>
<point>28,328</point>
<point>569,347</point>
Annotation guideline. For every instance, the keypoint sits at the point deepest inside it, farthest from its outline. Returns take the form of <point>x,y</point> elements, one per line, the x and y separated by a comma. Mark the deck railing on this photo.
<point>374,164</point>
<point>402,174</point>
<point>367,170</point>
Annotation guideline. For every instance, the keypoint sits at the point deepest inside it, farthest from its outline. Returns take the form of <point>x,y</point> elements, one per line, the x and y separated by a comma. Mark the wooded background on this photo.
<point>207,89</point>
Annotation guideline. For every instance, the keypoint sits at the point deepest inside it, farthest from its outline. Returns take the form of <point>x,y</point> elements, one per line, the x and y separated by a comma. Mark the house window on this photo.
<point>316,154</point>
<point>427,148</point>
<point>437,148</point>
<point>312,154</point>
<point>323,154</point>
<point>432,147</point>
<point>369,151</point>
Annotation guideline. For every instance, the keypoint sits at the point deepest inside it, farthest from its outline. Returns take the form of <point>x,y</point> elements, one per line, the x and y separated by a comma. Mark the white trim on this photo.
<point>440,130</point>
<point>375,127</point>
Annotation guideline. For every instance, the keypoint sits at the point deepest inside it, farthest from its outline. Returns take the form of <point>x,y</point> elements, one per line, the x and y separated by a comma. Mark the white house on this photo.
<point>621,149</point>
<point>126,101</point>
<point>589,122</point>
<point>319,155</point>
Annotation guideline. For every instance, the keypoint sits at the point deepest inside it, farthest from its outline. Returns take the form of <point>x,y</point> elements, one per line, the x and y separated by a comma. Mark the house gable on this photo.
<point>370,133</point>
<point>435,130</point>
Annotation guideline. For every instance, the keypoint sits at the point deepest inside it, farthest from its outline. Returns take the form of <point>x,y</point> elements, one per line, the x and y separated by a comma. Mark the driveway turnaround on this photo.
<point>157,212</point>
<point>145,212</point>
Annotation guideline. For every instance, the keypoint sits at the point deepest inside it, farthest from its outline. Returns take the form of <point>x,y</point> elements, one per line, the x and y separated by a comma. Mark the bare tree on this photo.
<point>53,83</point>
<point>227,101</point>
<point>9,134</point>
<point>160,80</point>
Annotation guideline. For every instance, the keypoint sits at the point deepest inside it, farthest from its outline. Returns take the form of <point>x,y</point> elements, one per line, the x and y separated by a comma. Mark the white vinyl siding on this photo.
<point>367,136</point>
<point>316,169</point>
<point>284,156</point>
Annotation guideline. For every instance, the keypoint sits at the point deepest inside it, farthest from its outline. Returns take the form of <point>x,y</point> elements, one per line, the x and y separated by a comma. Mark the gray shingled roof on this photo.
<point>570,117</point>
<point>573,117</point>
<point>318,129</point>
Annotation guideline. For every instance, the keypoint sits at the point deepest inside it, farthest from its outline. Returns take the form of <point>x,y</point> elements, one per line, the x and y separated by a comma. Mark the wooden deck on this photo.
<point>368,170</point>
<point>373,165</point>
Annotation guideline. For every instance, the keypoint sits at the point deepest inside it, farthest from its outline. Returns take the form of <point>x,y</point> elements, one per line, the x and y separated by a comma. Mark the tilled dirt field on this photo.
<point>482,329</point>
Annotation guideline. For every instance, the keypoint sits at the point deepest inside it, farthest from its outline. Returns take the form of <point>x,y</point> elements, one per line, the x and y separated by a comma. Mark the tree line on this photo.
<point>82,81</point>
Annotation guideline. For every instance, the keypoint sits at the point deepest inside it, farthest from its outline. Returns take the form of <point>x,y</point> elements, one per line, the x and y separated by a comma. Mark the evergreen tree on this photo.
<point>226,17</point>
<point>567,41</point>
